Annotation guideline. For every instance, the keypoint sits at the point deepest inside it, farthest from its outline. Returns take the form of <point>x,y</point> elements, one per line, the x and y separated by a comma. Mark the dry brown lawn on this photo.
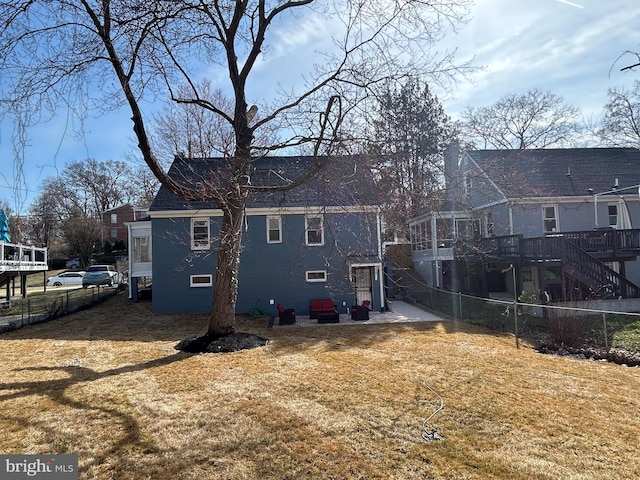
<point>329,402</point>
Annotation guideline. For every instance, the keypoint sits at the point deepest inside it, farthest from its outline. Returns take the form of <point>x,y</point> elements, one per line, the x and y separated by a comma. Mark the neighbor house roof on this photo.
<point>342,181</point>
<point>559,172</point>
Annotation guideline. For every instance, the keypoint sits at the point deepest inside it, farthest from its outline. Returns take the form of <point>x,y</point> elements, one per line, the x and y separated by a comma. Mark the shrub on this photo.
<point>566,330</point>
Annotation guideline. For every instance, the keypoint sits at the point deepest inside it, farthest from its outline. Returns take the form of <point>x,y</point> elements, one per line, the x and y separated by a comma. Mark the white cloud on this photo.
<point>549,45</point>
<point>290,53</point>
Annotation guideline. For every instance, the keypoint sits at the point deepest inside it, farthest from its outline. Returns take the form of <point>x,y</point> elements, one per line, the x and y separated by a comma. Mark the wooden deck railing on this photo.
<point>575,251</point>
<point>608,242</point>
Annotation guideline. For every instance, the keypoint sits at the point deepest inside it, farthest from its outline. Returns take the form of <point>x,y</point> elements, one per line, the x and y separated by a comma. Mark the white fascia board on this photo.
<point>538,200</point>
<point>490,204</point>
<point>550,200</point>
<point>441,214</point>
<point>266,211</point>
<point>138,224</point>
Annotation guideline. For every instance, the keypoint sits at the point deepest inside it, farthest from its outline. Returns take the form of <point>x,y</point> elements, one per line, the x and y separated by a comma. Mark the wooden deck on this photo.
<point>15,258</point>
<point>18,261</point>
<point>605,243</point>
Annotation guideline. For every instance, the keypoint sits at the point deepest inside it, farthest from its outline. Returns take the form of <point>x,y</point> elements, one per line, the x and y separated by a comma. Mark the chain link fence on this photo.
<point>48,306</point>
<point>596,333</point>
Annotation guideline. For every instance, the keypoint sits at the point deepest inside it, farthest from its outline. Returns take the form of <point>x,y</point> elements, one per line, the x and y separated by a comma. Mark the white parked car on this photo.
<point>66,279</point>
<point>101,275</point>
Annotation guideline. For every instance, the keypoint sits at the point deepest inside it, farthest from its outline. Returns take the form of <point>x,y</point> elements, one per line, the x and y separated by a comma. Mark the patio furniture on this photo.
<point>359,312</point>
<point>287,315</point>
<point>324,310</point>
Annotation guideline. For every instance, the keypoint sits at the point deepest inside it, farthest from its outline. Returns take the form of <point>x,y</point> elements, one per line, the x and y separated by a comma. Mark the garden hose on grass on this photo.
<point>431,434</point>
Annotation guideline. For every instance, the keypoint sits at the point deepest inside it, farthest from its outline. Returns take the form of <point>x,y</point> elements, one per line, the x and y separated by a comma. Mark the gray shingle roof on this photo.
<point>560,172</point>
<point>343,181</point>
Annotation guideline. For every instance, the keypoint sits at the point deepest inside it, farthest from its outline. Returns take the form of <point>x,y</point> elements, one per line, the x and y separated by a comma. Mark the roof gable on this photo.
<point>342,181</point>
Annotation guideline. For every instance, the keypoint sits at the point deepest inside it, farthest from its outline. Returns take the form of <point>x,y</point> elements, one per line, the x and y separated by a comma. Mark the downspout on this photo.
<point>379,232</point>
<point>379,270</point>
<point>510,218</point>
<point>434,246</point>
<point>130,259</point>
<point>380,274</point>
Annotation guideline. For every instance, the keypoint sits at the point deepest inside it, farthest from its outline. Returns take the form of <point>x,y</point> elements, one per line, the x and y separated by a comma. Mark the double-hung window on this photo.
<point>274,229</point>
<point>613,215</point>
<point>200,234</point>
<point>550,218</point>
<point>141,249</point>
<point>314,230</point>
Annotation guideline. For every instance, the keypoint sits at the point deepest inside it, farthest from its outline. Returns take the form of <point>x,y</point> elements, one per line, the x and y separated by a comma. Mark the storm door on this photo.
<point>362,279</point>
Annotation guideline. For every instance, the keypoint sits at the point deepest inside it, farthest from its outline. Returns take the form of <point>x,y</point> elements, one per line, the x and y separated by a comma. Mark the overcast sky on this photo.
<point>570,48</point>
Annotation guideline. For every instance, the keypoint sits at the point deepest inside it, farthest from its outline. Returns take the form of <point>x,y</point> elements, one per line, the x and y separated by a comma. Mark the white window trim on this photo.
<point>208,224</point>
<point>279,219</point>
<point>208,283</point>
<point>555,213</point>
<point>467,184</point>
<point>306,230</point>
<point>139,249</point>
<point>315,280</point>
<point>614,205</point>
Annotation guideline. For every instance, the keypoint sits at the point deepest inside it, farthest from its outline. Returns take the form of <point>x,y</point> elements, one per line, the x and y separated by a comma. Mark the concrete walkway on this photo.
<point>400,312</point>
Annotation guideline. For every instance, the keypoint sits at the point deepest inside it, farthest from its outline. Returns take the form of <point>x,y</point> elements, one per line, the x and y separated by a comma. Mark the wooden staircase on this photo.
<point>564,251</point>
<point>590,271</point>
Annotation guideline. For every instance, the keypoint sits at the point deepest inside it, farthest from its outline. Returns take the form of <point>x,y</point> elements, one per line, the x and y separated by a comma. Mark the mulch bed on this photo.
<point>613,355</point>
<point>232,342</point>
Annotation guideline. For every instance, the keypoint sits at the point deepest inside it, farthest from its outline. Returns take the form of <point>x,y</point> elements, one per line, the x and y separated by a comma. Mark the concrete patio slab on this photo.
<point>399,312</point>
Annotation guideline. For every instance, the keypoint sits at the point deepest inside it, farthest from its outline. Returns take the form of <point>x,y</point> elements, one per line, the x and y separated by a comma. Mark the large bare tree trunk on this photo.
<point>232,202</point>
<point>225,291</point>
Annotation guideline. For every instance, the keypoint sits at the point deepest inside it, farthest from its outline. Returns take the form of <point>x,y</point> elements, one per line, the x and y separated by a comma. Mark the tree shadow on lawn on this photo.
<point>120,319</point>
<point>57,391</point>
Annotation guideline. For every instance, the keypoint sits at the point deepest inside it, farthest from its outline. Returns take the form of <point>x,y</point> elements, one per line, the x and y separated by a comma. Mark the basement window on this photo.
<point>316,275</point>
<point>201,281</point>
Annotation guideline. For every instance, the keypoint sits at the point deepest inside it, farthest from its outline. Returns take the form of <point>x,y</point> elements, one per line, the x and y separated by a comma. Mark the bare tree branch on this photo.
<point>535,119</point>
<point>98,54</point>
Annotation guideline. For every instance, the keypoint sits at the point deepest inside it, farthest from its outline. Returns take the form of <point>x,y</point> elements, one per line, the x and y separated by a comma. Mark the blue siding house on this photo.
<point>565,220</point>
<point>320,240</point>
